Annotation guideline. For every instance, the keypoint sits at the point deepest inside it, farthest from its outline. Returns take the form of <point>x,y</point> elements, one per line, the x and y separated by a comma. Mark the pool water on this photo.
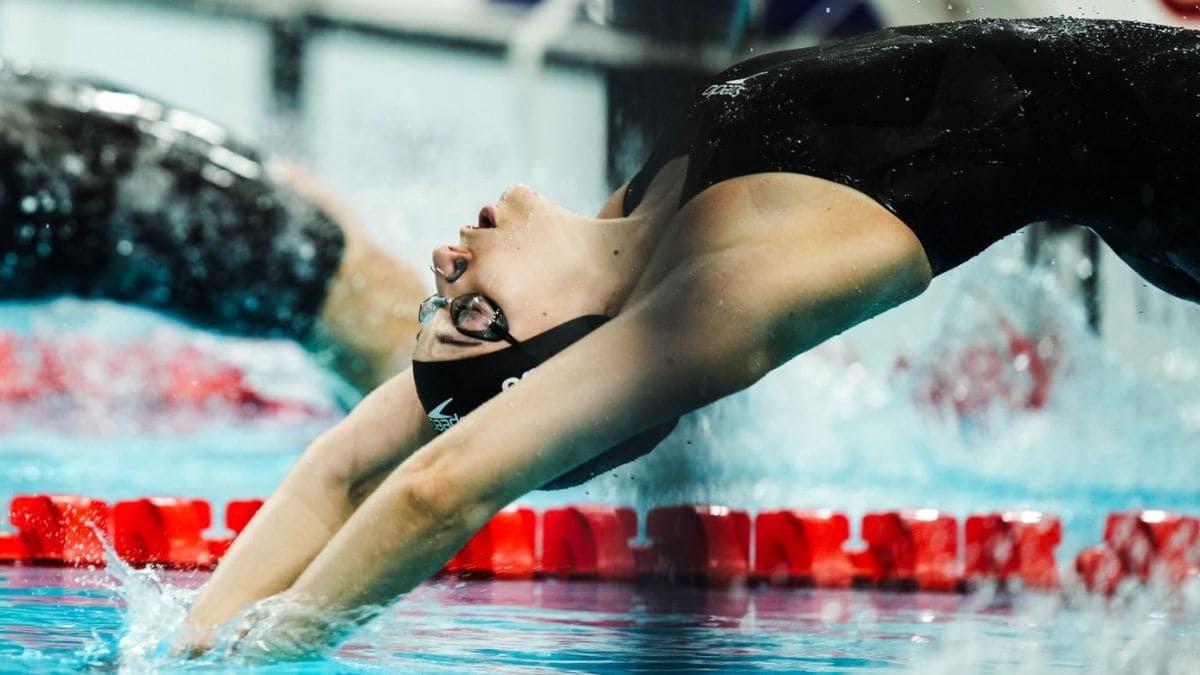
<point>850,426</point>
<point>64,620</point>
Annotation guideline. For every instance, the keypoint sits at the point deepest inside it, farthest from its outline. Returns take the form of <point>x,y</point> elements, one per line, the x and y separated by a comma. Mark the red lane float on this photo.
<point>501,549</point>
<point>239,512</point>
<point>916,549</point>
<point>237,515</point>
<point>589,542</point>
<point>167,375</point>
<point>913,549</point>
<point>61,529</point>
<point>1014,545</point>
<point>1099,568</point>
<point>1155,543</point>
<point>700,543</point>
<point>803,547</point>
<point>1143,545</point>
<point>165,531</point>
<point>12,548</point>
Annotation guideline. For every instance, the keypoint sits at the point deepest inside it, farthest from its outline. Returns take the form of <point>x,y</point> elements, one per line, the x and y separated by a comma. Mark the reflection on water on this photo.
<point>66,619</point>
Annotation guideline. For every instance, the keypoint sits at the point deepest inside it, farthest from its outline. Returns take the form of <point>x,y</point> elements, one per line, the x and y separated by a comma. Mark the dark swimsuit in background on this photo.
<point>969,131</point>
<point>106,194</point>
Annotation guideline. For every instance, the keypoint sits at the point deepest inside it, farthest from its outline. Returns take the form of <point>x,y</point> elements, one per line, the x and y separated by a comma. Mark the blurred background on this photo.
<point>1043,373</point>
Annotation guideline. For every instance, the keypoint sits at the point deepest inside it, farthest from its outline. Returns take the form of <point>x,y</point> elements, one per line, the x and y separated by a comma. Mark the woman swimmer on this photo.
<point>804,192</point>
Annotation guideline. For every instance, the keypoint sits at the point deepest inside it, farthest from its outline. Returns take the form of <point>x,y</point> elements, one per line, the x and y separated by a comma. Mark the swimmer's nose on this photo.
<point>449,263</point>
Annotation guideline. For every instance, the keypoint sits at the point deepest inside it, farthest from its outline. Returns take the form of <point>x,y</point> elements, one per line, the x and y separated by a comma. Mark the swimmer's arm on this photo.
<point>707,330</point>
<point>437,499</point>
<point>790,261</point>
<point>331,479</point>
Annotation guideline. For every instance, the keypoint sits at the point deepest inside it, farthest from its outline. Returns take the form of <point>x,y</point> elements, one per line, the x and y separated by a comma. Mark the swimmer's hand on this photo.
<point>284,627</point>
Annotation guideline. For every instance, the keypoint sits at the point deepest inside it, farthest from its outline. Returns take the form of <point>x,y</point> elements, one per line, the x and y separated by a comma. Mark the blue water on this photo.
<point>842,427</point>
<point>62,620</point>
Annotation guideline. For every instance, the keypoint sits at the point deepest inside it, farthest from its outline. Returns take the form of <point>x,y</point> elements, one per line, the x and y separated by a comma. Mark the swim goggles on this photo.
<point>474,315</point>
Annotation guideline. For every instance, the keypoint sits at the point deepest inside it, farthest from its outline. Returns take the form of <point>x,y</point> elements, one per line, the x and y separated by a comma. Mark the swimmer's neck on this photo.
<point>623,246</point>
<point>620,249</point>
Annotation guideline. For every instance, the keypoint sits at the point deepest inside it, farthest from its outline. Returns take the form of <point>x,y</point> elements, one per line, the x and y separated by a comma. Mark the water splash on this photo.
<point>156,636</point>
<point>1140,630</point>
<point>154,618</point>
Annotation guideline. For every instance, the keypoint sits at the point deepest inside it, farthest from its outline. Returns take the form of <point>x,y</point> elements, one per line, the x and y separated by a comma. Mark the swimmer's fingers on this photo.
<point>217,641</point>
<point>195,644</point>
<point>287,628</point>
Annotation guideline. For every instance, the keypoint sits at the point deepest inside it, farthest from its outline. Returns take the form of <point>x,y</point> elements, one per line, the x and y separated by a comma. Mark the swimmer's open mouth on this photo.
<point>487,219</point>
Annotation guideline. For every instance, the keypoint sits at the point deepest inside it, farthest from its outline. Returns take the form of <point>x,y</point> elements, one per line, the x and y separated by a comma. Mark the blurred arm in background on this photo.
<point>109,194</point>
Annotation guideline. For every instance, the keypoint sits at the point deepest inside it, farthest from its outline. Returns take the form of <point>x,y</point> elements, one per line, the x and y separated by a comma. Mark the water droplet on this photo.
<point>29,204</point>
<point>124,247</point>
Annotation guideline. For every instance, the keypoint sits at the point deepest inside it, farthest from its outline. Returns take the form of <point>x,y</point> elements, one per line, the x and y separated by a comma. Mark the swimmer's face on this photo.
<point>530,257</point>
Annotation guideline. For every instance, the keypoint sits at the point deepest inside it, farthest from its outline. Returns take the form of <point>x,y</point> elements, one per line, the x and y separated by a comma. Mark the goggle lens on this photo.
<point>474,315</point>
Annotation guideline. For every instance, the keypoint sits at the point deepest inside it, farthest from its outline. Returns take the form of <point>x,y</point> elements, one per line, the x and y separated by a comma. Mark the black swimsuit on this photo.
<point>109,194</point>
<point>969,131</point>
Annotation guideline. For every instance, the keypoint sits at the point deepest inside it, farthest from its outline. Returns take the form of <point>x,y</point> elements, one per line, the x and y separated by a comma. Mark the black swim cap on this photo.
<point>450,389</point>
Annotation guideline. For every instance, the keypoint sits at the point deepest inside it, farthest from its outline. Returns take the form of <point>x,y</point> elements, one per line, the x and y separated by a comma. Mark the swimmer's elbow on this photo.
<point>428,492</point>
<point>433,505</point>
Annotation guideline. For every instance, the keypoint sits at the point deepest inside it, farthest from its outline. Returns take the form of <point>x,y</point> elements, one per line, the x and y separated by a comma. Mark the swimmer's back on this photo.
<point>967,131</point>
<point>105,193</point>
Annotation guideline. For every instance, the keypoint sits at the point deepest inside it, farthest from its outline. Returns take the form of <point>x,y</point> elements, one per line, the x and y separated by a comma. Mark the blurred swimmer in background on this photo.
<point>108,194</point>
<point>801,193</point>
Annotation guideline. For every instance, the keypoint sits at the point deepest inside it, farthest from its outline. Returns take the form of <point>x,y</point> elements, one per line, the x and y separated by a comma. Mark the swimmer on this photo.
<point>802,193</point>
<point>108,194</point>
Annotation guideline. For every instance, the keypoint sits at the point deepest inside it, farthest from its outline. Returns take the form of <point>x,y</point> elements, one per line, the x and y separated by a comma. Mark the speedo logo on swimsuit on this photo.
<point>441,421</point>
<point>730,88</point>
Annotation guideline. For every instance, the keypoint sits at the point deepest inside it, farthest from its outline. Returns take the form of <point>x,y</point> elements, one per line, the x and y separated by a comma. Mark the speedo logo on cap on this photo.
<point>441,421</point>
<point>508,382</point>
